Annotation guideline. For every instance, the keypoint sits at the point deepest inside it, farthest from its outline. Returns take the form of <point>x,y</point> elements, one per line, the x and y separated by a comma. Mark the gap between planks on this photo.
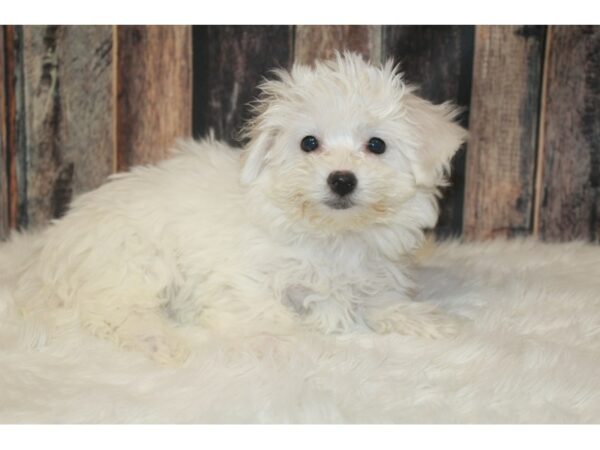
<point>538,192</point>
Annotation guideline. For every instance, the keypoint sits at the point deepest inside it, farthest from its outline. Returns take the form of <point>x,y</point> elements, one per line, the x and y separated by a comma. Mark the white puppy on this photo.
<point>311,225</point>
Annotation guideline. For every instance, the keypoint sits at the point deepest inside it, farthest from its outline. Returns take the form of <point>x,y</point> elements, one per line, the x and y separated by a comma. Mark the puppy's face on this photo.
<point>345,145</point>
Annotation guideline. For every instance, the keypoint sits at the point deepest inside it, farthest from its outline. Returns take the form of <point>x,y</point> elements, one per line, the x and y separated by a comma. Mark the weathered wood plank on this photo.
<point>507,75</point>
<point>15,127</point>
<point>4,178</point>
<point>569,206</point>
<point>439,59</point>
<point>68,102</point>
<point>320,41</point>
<point>229,62</point>
<point>154,91</point>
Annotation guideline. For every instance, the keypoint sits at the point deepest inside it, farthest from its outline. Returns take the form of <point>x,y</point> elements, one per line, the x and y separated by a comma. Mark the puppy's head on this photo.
<point>345,145</point>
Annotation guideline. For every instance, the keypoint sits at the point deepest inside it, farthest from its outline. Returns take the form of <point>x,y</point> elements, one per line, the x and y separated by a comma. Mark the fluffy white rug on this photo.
<point>529,352</point>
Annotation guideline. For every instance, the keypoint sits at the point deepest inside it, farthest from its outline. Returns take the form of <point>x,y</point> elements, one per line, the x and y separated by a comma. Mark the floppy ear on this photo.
<point>439,137</point>
<point>255,156</point>
<point>257,130</point>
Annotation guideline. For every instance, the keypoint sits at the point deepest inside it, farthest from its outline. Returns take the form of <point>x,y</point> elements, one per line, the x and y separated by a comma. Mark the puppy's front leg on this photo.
<point>411,318</point>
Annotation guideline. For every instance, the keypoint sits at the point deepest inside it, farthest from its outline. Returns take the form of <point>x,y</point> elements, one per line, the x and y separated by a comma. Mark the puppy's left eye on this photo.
<point>376,145</point>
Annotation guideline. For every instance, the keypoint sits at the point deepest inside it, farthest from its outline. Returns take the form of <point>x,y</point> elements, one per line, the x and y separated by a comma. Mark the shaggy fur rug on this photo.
<point>529,351</point>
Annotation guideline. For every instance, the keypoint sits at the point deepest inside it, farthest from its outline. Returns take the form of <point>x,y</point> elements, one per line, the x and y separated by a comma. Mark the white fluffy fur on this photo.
<point>530,353</point>
<point>240,245</point>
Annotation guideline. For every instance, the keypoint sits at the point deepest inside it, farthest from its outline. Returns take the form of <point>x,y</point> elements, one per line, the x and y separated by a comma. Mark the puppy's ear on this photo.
<point>260,131</point>
<point>255,155</point>
<point>439,137</point>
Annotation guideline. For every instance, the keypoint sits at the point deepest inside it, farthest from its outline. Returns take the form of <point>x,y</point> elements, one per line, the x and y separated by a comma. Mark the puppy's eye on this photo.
<point>376,145</point>
<point>309,143</point>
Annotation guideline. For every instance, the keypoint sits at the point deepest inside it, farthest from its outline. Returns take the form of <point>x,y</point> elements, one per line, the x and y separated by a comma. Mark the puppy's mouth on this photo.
<point>340,203</point>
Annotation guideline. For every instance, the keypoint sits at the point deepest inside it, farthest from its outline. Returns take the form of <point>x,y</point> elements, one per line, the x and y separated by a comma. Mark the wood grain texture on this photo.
<point>4,163</point>
<point>229,62</point>
<point>68,102</point>
<point>15,126</point>
<point>499,190</point>
<point>570,202</point>
<point>320,41</point>
<point>439,59</point>
<point>154,91</point>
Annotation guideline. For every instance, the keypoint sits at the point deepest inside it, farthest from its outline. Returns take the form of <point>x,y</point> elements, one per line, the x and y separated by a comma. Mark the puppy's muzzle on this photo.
<point>342,182</point>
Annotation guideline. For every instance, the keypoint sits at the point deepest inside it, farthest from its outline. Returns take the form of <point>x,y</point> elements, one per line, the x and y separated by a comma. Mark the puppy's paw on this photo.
<point>414,321</point>
<point>165,350</point>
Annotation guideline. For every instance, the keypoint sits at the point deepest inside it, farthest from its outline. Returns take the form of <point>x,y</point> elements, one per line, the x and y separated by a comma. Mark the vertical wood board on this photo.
<point>68,107</point>
<point>229,62</point>
<point>321,41</point>
<point>4,163</point>
<point>507,74</point>
<point>570,202</point>
<point>154,91</point>
<point>15,127</point>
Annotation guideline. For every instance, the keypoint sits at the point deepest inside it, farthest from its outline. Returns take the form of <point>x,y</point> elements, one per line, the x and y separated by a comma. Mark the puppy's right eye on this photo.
<point>309,143</point>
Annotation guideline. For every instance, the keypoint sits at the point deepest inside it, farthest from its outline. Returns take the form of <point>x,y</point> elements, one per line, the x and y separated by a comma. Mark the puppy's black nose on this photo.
<point>342,182</point>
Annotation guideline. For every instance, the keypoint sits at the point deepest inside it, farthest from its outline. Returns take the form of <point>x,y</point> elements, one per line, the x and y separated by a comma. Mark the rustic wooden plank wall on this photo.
<point>503,131</point>
<point>16,157</point>
<point>569,162</point>
<point>154,86</point>
<point>68,103</point>
<point>4,192</point>
<point>75,114</point>
<point>229,62</point>
<point>79,103</point>
<point>320,42</point>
